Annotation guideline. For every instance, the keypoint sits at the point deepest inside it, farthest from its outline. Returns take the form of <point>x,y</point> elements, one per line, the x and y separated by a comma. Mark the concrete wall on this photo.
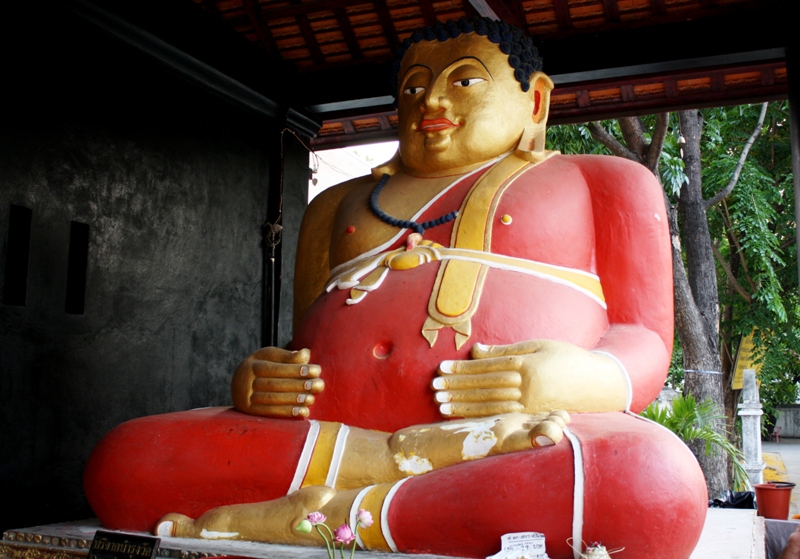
<point>789,420</point>
<point>172,183</point>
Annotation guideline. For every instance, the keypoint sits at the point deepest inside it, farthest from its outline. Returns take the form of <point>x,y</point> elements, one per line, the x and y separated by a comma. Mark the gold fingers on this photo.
<point>484,409</point>
<point>285,370</point>
<point>280,411</point>
<point>488,365</point>
<point>484,395</point>
<point>504,379</point>
<point>280,355</point>
<point>281,398</point>
<point>482,351</point>
<point>314,386</point>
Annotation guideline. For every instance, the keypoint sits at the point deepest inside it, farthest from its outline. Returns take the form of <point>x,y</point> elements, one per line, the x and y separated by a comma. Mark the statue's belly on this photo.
<point>378,367</point>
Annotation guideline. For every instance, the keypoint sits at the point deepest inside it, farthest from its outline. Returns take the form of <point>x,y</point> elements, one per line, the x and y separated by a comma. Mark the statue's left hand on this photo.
<point>276,382</point>
<point>533,376</point>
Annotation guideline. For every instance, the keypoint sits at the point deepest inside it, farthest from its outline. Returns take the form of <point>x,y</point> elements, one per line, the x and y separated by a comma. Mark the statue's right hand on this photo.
<point>275,382</point>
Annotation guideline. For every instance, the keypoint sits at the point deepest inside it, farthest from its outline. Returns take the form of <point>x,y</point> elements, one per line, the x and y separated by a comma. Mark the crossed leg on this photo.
<point>374,458</point>
<point>615,479</point>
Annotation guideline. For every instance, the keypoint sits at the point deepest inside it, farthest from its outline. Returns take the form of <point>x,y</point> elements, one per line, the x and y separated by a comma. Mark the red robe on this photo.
<point>617,479</point>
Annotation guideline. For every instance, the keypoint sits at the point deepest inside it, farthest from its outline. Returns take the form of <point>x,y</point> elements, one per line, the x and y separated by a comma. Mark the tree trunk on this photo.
<point>697,298</point>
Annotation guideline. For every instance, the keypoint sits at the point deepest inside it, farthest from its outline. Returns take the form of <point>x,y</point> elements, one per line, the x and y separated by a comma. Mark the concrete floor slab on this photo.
<point>789,452</point>
<point>732,534</point>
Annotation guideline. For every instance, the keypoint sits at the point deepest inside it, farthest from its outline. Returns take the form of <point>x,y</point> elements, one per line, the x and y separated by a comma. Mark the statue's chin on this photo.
<point>438,143</point>
<point>439,154</point>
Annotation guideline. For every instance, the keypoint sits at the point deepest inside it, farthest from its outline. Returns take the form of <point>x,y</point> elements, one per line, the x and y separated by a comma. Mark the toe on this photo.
<point>545,434</point>
<point>174,525</point>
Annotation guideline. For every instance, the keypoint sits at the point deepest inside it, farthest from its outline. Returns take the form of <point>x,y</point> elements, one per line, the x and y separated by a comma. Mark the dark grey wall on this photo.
<point>173,185</point>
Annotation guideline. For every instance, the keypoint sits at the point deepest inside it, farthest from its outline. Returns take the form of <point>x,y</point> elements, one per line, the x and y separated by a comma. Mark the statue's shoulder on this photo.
<point>608,163</point>
<point>610,172</point>
<point>326,203</point>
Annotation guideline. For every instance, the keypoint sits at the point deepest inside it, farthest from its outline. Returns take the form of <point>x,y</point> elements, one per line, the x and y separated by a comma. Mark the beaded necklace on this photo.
<point>403,223</point>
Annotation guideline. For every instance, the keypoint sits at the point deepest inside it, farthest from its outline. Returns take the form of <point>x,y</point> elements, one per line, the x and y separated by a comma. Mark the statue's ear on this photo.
<point>531,145</point>
<point>541,86</point>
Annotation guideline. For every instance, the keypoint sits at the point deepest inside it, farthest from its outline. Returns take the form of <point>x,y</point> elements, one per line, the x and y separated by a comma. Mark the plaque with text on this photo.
<point>117,545</point>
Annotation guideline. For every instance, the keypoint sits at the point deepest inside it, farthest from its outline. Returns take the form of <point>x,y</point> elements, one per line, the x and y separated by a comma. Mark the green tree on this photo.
<point>755,248</point>
<point>731,239</point>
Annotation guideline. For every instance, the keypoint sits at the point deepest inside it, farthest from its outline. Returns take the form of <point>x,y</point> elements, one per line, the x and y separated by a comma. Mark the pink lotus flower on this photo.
<point>364,517</point>
<point>317,517</point>
<point>343,534</point>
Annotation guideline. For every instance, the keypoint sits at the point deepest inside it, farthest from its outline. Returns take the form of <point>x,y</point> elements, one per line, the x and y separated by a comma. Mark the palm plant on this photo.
<point>694,422</point>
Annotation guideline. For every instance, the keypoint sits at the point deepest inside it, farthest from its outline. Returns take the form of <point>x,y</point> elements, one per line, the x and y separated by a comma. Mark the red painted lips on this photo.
<point>434,124</point>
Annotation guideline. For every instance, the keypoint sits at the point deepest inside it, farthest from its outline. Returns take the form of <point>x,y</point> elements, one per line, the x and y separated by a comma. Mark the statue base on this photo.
<point>72,540</point>
<point>730,533</point>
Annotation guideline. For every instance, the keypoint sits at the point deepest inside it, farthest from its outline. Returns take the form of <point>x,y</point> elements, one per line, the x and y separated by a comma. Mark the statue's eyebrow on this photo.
<point>412,66</point>
<point>472,58</point>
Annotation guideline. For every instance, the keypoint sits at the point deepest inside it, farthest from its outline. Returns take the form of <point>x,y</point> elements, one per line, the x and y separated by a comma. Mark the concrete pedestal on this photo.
<point>71,540</point>
<point>729,533</point>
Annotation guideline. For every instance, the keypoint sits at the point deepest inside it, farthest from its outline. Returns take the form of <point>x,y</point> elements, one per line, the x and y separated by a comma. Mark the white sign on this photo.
<point>521,545</point>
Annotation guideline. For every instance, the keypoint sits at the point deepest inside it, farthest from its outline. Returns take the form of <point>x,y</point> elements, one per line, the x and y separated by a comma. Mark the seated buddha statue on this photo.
<point>477,324</point>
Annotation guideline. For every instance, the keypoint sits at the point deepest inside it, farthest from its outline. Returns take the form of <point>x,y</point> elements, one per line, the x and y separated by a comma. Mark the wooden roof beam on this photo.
<point>211,7</point>
<point>262,30</point>
<point>469,9</point>
<point>562,14</point>
<point>612,10</point>
<point>659,7</point>
<point>296,8</point>
<point>308,34</point>
<point>347,32</point>
<point>427,12</point>
<point>387,24</point>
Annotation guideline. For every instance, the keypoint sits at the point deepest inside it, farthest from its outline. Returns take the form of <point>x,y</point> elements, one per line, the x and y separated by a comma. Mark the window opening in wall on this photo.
<point>76,267</point>
<point>18,251</point>
<point>332,166</point>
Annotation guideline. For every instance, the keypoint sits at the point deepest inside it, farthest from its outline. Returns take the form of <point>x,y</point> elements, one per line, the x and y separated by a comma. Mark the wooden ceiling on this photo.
<point>607,57</point>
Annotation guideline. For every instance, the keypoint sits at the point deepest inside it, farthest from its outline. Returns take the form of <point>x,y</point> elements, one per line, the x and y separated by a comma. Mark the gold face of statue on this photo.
<point>459,105</point>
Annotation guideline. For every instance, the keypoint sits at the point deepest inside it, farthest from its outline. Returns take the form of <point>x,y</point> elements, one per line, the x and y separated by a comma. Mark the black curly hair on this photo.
<point>523,56</point>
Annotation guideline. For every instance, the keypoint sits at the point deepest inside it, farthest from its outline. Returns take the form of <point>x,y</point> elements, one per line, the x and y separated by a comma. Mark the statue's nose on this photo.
<point>434,104</point>
<point>436,98</point>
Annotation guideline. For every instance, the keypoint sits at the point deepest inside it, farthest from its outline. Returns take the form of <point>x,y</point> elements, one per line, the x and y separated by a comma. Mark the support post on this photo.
<point>288,198</point>
<point>793,75</point>
<point>750,412</point>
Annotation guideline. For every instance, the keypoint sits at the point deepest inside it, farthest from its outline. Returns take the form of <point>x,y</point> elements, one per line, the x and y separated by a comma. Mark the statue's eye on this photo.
<point>468,82</point>
<point>413,90</point>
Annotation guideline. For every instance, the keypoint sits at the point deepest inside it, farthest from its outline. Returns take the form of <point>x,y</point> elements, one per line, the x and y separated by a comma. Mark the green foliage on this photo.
<point>676,373</point>
<point>673,173</point>
<point>576,138</point>
<point>754,229</point>
<point>700,422</point>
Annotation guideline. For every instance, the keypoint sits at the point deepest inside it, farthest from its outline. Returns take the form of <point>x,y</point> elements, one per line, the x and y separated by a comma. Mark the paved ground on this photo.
<point>788,451</point>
